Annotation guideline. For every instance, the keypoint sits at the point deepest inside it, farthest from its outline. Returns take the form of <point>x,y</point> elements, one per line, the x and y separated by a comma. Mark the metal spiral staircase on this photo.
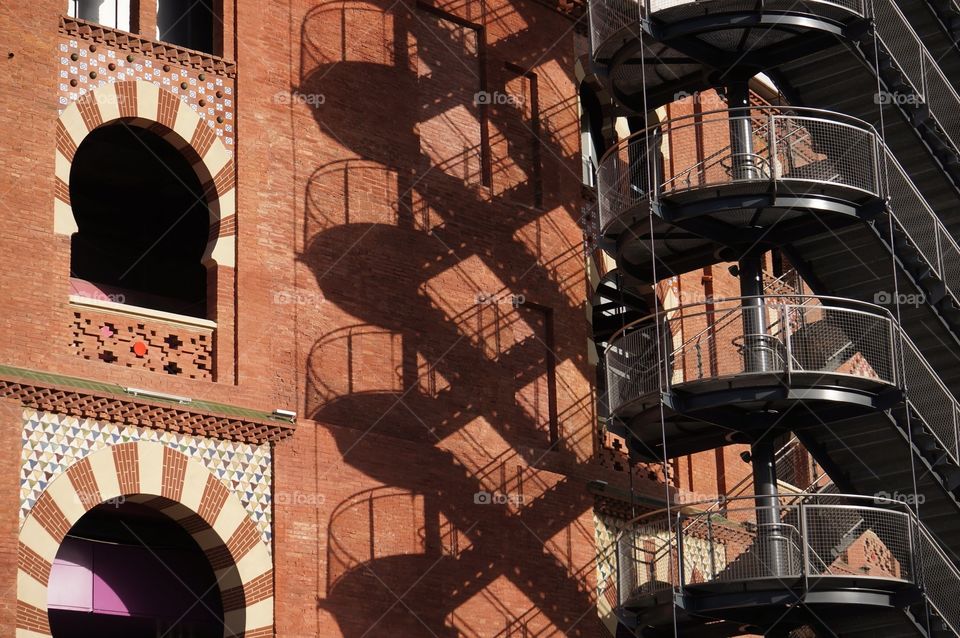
<point>866,212</point>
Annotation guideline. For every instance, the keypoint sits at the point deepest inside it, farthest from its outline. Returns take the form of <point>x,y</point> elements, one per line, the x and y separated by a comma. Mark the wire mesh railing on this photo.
<point>920,67</point>
<point>800,544</point>
<point>917,220</point>
<point>803,149</point>
<point>769,335</point>
<point>931,400</point>
<point>803,146</point>
<point>821,337</point>
<point>941,579</point>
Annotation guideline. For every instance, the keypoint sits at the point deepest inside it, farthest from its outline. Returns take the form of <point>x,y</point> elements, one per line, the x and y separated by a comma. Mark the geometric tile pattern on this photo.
<point>209,92</point>
<point>606,530</point>
<point>53,442</point>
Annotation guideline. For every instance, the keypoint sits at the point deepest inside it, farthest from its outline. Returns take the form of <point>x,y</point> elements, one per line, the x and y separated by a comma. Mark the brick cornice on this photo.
<point>89,399</point>
<point>151,48</point>
<point>618,508</point>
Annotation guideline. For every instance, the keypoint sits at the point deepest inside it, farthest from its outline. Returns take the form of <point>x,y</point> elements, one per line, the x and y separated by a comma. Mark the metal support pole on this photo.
<point>745,166</point>
<point>772,544</point>
<point>759,352</point>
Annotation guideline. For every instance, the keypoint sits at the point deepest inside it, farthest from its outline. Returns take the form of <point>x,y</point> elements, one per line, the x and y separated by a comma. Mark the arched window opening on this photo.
<point>187,23</point>
<point>125,569</point>
<point>143,222</point>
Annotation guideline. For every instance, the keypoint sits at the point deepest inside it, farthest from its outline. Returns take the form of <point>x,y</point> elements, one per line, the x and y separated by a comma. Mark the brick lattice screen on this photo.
<point>143,343</point>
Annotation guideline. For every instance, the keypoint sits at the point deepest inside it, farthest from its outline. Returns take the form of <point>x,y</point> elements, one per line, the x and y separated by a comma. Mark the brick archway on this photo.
<point>150,106</point>
<point>178,486</point>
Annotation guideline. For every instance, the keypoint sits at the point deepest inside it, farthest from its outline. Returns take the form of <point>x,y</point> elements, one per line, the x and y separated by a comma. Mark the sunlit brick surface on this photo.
<point>163,347</point>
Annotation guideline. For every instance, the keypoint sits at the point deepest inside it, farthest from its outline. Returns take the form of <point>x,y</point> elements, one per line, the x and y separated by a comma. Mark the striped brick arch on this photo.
<point>149,106</point>
<point>178,486</point>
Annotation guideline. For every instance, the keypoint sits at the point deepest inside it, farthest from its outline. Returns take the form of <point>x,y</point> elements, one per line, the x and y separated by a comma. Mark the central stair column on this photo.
<point>760,355</point>
<point>773,546</point>
<point>745,162</point>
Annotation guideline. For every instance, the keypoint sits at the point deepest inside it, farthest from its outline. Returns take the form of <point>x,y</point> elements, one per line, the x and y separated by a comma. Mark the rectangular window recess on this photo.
<point>146,313</point>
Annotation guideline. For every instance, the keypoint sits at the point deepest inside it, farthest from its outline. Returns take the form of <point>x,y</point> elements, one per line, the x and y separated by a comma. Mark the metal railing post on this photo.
<point>772,149</point>
<point>896,354</point>
<point>710,547</point>
<point>680,575</point>
<point>654,167</point>
<point>937,253</point>
<point>956,435</point>
<point>879,185</point>
<point>667,352</point>
<point>804,545</point>
<point>619,574</point>
<point>788,347</point>
<point>916,566</point>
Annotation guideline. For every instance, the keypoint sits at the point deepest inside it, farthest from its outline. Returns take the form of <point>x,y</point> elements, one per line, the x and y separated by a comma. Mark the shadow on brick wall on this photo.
<point>440,229</point>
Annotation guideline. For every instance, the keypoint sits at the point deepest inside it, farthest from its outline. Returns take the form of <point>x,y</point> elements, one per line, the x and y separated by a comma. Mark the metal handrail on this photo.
<point>779,455</point>
<point>808,502</point>
<point>661,512</point>
<point>868,308</point>
<point>939,412</point>
<point>919,560</point>
<point>889,31</point>
<point>624,170</point>
<point>826,115</point>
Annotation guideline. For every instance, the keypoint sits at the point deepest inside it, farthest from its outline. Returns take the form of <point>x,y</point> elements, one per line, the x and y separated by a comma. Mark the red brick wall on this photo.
<point>35,261</point>
<point>377,271</point>
<point>426,385</point>
<point>376,196</point>
<point>9,504</point>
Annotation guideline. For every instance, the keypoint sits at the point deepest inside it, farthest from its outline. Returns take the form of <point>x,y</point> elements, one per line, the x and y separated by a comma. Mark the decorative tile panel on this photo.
<point>53,442</point>
<point>92,55</point>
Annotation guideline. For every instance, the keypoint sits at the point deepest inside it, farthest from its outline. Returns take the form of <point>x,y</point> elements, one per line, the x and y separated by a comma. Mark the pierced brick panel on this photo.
<point>139,342</point>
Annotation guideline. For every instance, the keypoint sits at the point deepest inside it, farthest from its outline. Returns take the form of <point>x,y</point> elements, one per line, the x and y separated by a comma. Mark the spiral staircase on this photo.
<point>856,182</point>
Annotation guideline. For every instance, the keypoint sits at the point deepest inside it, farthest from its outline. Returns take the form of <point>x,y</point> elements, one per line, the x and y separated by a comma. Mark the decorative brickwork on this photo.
<point>246,591</point>
<point>80,398</point>
<point>102,56</point>
<point>606,528</point>
<point>54,443</point>
<point>137,342</point>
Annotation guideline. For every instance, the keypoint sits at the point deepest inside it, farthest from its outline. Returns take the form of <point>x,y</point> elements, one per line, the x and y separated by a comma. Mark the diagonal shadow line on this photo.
<point>399,599</point>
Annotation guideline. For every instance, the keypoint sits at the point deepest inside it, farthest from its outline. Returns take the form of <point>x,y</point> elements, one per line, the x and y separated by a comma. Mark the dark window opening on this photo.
<point>125,569</point>
<point>109,13</point>
<point>143,222</point>
<point>187,23</point>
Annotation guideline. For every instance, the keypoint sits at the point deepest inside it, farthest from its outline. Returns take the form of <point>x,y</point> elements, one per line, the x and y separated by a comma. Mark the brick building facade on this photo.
<point>393,253</point>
